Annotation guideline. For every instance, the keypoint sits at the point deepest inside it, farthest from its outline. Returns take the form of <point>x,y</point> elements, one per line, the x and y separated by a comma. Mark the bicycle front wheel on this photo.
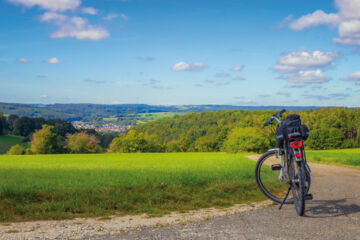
<point>267,172</point>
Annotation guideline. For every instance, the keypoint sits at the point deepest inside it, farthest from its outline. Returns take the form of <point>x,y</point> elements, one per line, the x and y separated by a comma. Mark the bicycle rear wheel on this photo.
<point>298,187</point>
<point>267,173</point>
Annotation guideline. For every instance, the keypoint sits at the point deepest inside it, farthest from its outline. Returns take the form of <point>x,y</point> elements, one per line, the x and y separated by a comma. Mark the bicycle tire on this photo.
<point>260,184</point>
<point>298,188</point>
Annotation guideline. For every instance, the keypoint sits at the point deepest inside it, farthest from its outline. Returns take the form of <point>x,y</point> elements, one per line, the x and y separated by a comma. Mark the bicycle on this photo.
<point>285,168</point>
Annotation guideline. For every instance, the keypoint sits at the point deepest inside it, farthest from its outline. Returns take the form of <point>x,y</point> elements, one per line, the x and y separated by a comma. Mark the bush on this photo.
<point>247,139</point>
<point>16,150</point>
<point>44,141</point>
<point>82,143</point>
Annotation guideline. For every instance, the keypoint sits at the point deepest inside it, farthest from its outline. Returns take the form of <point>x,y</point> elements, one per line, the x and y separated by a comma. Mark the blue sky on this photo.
<point>180,52</point>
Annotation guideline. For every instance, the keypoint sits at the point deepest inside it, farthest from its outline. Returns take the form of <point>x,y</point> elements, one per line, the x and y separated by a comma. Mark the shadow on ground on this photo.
<point>330,208</point>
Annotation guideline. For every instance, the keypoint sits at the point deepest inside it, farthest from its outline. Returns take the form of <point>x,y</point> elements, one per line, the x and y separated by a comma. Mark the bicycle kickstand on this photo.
<point>286,196</point>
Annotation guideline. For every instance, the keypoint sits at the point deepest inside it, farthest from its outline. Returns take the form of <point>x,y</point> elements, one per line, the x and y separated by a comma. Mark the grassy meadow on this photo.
<point>67,186</point>
<point>6,141</point>
<point>340,157</point>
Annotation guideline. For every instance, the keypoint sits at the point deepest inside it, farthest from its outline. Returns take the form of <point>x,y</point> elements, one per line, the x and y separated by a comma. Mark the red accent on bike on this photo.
<point>296,144</point>
<point>298,155</point>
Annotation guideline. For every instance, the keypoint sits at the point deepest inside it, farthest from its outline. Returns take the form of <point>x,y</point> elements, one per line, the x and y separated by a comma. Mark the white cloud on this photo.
<point>347,19</point>
<point>315,19</point>
<point>237,68</point>
<point>303,59</point>
<point>305,77</point>
<point>23,60</point>
<point>75,27</point>
<point>189,67</point>
<point>348,8</point>
<point>53,60</point>
<point>89,10</point>
<point>110,16</point>
<point>353,77</point>
<point>44,96</point>
<point>52,5</point>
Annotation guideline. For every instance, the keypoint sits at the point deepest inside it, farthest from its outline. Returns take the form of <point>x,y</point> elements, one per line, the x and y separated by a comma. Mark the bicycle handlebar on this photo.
<point>276,117</point>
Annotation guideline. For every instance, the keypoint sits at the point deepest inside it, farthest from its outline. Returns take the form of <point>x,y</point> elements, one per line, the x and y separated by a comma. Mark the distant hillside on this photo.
<point>72,112</point>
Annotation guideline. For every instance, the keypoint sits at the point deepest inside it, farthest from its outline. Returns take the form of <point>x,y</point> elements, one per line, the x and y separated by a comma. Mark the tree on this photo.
<point>3,124</point>
<point>328,138</point>
<point>24,126</point>
<point>246,139</point>
<point>11,120</point>
<point>135,142</point>
<point>82,143</point>
<point>44,141</point>
<point>61,127</point>
<point>205,144</point>
<point>16,150</point>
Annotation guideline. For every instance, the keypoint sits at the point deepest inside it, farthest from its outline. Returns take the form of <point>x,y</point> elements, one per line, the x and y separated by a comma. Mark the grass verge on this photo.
<point>342,157</point>
<point>67,186</point>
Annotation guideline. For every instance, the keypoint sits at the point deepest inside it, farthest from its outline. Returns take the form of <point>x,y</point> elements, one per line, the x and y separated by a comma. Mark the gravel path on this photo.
<point>333,214</point>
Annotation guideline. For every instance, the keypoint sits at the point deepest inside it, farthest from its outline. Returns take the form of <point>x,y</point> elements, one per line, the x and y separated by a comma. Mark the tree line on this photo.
<point>229,131</point>
<point>235,131</point>
<point>47,136</point>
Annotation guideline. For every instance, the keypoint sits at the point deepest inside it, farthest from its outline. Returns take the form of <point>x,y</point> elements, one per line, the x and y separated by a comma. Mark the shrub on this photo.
<point>82,143</point>
<point>16,150</point>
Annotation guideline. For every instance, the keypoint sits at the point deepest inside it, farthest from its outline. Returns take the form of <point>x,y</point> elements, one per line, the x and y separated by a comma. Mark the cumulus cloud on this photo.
<point>347,20</point>
<point>188,67</point>
<point>53,60</point>
<point>23,60</point>
<point>52,5</point>
<point>89,10</point>
<point>315,19</point>
<point>353,77</point>
<point>303,59</point>
<point>303,67</point>
<point>237,68</point>
<point>44,96</point>
<point>305,77</point>
<point>75,27</point>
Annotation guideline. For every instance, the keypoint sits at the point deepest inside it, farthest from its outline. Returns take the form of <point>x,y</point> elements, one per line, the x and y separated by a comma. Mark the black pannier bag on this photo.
<point>291,127</point>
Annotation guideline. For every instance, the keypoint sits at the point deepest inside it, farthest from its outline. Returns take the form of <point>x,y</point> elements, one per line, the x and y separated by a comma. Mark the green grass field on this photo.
<point>67,186</point>
<point>6,141</point>
<point>341,157</point>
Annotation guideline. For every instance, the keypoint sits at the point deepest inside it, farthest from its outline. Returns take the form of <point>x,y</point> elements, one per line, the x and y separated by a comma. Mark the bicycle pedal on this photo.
<point>309,196</point>
<point>275,167</point>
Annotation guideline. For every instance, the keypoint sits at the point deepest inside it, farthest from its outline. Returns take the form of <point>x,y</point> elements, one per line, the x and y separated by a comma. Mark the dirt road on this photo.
<point>333,214</point>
